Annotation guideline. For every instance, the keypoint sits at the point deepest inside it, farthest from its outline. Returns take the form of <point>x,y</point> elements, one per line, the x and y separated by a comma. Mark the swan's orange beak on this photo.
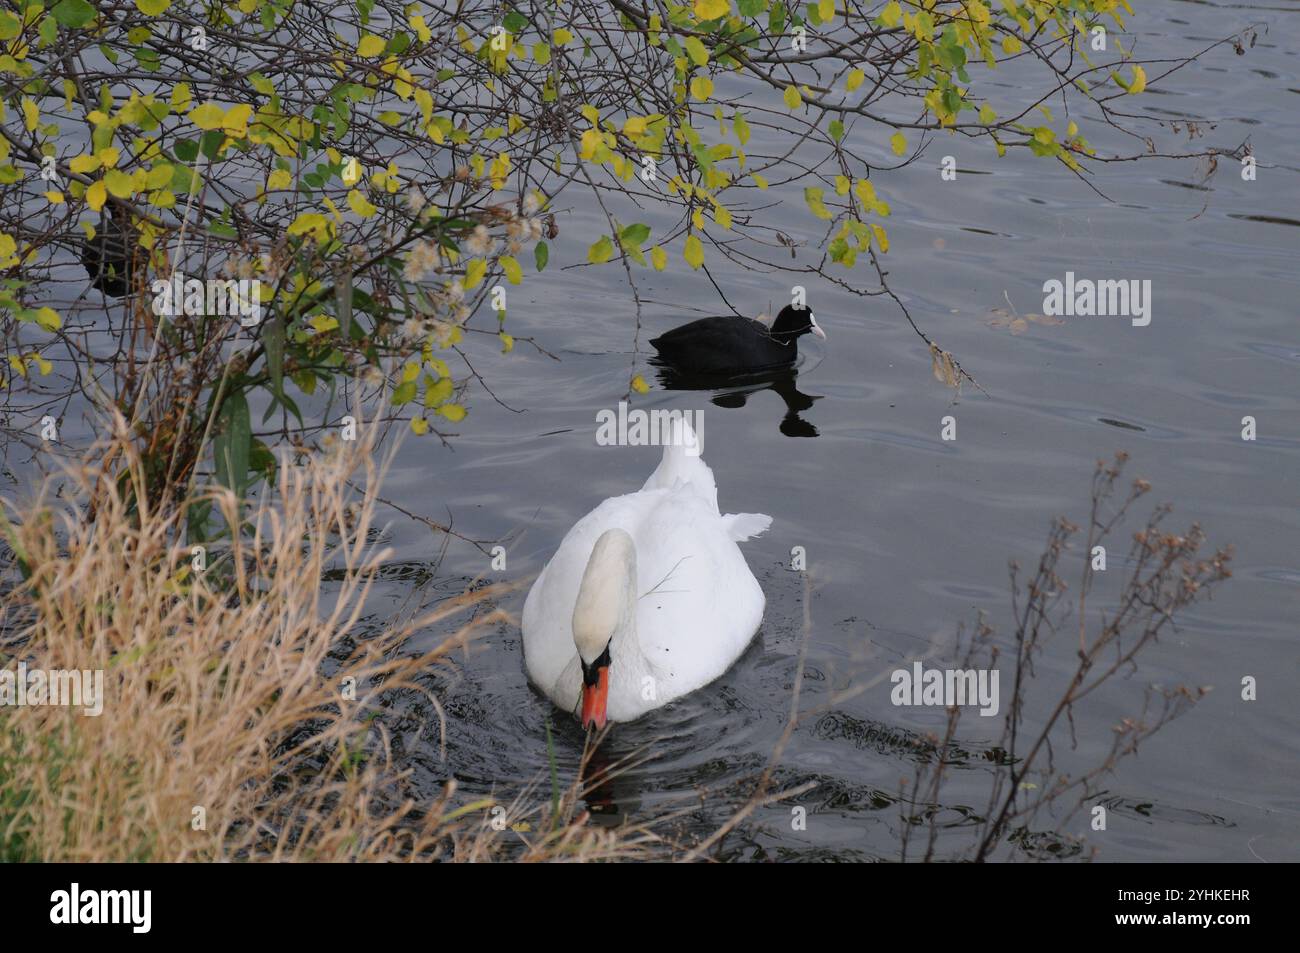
<point>594,697</point>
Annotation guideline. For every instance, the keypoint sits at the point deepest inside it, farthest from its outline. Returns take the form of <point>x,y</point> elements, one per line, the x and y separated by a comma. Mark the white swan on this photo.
<point>648,597</point>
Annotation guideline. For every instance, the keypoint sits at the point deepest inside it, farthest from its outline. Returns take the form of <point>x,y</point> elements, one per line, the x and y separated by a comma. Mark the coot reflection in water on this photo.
<point>735,391</point>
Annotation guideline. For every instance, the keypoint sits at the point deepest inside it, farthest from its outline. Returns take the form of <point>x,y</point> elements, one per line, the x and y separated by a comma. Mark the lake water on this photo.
<point>908,535</point>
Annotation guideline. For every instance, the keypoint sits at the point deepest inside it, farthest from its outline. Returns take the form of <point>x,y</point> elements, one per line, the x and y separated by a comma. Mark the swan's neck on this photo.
<point>605,613</point>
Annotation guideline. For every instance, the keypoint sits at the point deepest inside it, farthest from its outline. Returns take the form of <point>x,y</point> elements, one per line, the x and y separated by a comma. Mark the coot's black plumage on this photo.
<point>735,345</point>
<point>107,257</point>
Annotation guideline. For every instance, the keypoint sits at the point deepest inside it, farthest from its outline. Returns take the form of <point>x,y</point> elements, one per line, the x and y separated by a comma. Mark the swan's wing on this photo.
<point>700,604</point>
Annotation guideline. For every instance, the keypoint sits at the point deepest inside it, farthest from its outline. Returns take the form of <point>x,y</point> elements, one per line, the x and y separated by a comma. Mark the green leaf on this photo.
<point>696,51</point>
<point>541,255</point>
<point>73,13</point>
<point>634,235</point>
<point>404,393</point>
<point>836,130</point>
<point>262,460</point>
<point>233,443</point>
<point>776,19</point>
<point>515,22</point>
<point>273,343</point>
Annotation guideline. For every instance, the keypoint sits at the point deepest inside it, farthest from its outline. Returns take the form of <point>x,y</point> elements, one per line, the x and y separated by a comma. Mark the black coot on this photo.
<point>735,345</point>
<point>108,257</point>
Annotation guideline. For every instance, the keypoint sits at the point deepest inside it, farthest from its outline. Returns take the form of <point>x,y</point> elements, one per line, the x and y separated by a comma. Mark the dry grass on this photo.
<point>224,689</point>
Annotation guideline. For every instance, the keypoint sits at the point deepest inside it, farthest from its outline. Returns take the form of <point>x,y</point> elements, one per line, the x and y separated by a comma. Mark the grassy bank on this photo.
<point>242,703</point>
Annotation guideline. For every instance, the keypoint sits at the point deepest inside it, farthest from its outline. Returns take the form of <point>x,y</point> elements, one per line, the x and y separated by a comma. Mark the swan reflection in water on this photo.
<point>735,391</point>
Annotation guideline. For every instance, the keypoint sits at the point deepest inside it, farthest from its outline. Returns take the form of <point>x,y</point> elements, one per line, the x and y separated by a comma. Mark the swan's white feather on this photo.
<point>698,607</point>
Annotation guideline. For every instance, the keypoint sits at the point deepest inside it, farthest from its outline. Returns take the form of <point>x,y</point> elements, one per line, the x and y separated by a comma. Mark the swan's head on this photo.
<point>606,600</point>
<point>793,322</point>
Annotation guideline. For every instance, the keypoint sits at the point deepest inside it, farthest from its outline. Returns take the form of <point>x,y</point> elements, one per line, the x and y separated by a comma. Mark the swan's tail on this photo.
<point>743,526</point>
<point>681,460</point>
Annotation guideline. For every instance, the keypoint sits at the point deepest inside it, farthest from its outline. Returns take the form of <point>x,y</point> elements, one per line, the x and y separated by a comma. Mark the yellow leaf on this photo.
<point>891,14</point>
<point>207,116</point>
<point>561,37</point>
<point>639,385</point>
<point>792,98</point>
<point>701,87</point>
<point>759,180</point>
<point>419,425</point>
<point>360,204</point>
<point>54,198</point>
<point>279,179</point>
<point>826,10</point>
<point>600,251</point>
<point>83,164</point>
<point>693,252</point>
<point>1139,81</point>
<point>235,120</point>
<point>658,258</point>
<point>898,142</point>
<point>507,342</point>
<point>31,114</point>
<point>314,224</point>
<point>151,8</point>
<point>855,78</point>
<point>514,274</point>
<point>453,412</point>
<point>1010,44</point>
<point>421,29</point>
<point>96,195</point>
<point>711,9</point>
<point>474,272</point>
<point>697,51</point>
<point>371,45</point>
<point>158,176</point>
<point>119,184</point>
<point>49,319</point>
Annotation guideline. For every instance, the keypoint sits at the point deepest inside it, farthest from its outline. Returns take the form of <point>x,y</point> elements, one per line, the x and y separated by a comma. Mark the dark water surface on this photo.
<point>908,535</point>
